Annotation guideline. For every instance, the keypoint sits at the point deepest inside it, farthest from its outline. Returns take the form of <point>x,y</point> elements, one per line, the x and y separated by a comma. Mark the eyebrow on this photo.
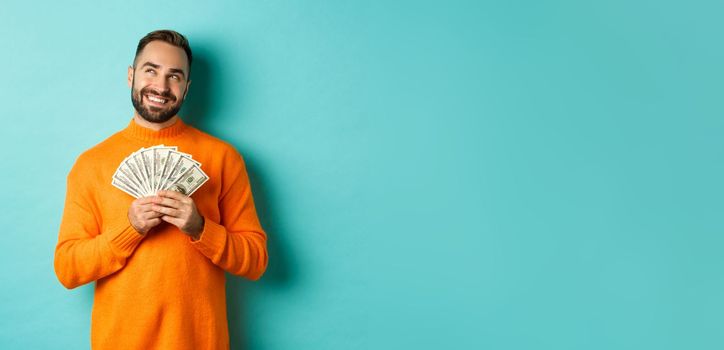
<point>172,70</point>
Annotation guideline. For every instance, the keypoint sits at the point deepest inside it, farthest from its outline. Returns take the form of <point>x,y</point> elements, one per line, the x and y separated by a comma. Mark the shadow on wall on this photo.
<point>279,274</point>
<point>197,109</point>
<point>200,111</point>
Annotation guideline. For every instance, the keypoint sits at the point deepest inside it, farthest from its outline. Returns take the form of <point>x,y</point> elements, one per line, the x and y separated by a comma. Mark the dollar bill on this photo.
<point>160,156</point>
<point>125,188</point>
<point>183,164</point>
<point>132,164</point>
<point>150,169</point>
<point>146,162</point>
<point>190,181</point>
<point>130,176</point>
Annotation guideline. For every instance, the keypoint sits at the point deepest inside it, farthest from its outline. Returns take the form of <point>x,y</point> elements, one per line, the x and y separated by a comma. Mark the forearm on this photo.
<point>242,253</point>
<point>80,260</point>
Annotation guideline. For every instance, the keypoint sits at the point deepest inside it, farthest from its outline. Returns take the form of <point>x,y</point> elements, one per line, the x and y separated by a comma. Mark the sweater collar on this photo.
<point>135,131</point>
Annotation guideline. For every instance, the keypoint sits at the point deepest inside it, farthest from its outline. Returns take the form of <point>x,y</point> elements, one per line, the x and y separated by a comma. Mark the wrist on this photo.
<point>199,229</point>
<point>140,232</point>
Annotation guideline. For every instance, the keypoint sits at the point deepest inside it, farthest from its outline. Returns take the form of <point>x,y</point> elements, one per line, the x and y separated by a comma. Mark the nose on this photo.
<point>161,84</point>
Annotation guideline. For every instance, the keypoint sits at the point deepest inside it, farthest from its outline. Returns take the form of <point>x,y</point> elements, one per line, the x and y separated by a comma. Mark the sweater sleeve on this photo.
<point>237,244</point>
<point>84,253</point>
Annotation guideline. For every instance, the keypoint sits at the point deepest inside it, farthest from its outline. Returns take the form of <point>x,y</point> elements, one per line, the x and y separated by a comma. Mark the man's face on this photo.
<point>158,81</point>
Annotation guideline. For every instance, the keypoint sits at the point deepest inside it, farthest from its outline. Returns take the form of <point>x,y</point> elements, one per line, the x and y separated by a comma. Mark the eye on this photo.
<point>151,71</point>
<point>175,77</point>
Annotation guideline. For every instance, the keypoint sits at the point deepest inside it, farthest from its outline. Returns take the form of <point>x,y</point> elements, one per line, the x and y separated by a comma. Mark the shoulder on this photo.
<point>221,160</point>
<point>100,150</point>
<point>225,150</point>
<point>92,158</point>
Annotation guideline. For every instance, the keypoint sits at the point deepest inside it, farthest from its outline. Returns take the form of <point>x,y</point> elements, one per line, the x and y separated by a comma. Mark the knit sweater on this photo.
<point>161,290</point>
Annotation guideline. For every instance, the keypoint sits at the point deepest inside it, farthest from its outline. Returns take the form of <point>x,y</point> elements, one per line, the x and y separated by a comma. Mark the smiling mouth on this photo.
<point>156,100</point>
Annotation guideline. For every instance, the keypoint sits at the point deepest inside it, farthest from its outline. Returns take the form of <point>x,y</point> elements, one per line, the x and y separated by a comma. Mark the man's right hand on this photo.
<point>141,216</point>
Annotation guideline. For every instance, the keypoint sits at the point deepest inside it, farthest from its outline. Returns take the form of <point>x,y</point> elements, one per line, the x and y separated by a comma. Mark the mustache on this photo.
<point>165,94</point>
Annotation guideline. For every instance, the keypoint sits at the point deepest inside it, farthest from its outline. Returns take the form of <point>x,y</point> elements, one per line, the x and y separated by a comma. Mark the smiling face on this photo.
<point>158,81</point>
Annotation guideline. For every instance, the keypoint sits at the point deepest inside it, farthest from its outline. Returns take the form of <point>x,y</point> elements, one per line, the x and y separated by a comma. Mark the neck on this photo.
<point>153,126</point>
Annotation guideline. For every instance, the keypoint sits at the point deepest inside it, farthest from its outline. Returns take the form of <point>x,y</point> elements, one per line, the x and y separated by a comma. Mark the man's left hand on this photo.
<point>180,211</point>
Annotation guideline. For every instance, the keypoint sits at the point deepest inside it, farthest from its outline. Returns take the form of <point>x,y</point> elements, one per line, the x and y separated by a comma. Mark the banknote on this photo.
<point>182,165</point>
<point>190,181</point>
<point>151,169</point>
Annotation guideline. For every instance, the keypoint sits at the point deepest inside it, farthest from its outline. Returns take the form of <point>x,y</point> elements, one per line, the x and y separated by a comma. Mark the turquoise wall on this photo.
<point>431,174</point>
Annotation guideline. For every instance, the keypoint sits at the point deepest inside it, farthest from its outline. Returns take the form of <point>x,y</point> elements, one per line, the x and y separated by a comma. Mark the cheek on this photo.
<point>138,86</point>
<point>142,81</point>
<point>179,92</point>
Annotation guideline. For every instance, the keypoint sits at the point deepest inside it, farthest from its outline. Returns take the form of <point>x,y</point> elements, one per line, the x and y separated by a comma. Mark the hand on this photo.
<point>142,216</point>
<point>180,211</point>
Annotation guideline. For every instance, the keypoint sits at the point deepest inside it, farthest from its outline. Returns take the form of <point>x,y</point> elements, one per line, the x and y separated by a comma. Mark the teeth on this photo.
<point>156,99</point>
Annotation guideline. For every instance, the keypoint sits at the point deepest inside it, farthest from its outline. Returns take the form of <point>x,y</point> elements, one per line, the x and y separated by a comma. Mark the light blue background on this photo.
<point>435,174</point>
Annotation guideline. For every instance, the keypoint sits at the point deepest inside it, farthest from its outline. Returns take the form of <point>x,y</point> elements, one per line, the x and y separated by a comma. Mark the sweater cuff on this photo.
<point>212,240</point>
<point>123,239</point>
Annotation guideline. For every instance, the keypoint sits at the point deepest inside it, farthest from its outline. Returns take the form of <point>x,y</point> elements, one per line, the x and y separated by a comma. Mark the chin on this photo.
<point>156,119</point>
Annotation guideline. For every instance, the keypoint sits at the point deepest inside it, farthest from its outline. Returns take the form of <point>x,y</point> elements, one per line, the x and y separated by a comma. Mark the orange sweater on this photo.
<point>161,290</point>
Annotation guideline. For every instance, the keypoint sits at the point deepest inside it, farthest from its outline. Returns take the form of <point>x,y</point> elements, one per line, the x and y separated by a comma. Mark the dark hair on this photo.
<point>172,37</point>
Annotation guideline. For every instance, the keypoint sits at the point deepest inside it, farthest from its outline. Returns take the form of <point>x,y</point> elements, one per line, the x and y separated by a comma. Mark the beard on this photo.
<point>155,114</point>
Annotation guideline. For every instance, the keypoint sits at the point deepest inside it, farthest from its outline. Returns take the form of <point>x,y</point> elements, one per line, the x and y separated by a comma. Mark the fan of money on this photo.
<point>156,168</point>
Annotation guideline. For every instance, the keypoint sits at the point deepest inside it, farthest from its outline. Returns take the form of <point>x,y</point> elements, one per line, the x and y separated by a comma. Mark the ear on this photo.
<point>130,77</point>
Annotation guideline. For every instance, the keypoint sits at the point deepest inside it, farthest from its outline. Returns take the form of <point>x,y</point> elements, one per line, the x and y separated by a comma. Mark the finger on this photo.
<point>144,200</point>
<point>168,211</point>
<point>144,207</point>
<point>153,222</point>
<point>173,194</point>
<point>172,220</point>
<point>168,202</point>
<point>178,196</point>
<point>150,215</point>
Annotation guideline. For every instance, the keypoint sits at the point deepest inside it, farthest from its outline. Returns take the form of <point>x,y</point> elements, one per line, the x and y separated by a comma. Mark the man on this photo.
<point>159,261</point>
